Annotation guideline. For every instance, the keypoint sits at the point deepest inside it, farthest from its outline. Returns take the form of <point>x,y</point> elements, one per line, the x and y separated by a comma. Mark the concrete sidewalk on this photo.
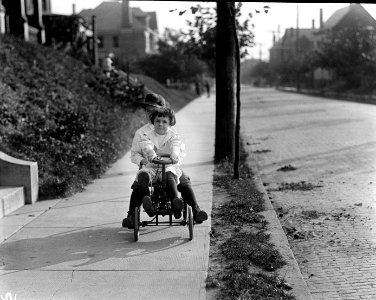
<point>75,248</point>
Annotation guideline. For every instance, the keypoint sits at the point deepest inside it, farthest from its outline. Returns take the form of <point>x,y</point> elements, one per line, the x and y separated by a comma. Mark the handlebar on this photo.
<point>163,159</point>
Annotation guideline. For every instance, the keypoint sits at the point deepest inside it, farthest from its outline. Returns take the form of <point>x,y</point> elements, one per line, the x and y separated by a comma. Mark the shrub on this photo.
<point>63,114</point>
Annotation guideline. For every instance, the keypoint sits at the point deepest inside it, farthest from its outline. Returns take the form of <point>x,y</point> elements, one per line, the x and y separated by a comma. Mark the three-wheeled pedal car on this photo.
<point>163,205</point>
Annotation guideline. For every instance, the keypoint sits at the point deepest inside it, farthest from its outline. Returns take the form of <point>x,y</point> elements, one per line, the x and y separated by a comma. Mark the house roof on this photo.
<point>336,17</point>
<point>109,16</point>
<point>362,16</point>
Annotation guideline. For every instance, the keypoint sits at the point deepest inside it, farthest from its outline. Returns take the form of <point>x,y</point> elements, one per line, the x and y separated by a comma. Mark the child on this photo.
<point>161,140</point>
<point>151,103</point>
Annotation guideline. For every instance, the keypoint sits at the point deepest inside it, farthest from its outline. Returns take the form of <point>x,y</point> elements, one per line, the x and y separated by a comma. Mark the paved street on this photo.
<point>317,160</point>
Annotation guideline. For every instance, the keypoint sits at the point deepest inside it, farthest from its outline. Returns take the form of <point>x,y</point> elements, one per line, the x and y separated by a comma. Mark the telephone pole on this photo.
<point>297,50</point>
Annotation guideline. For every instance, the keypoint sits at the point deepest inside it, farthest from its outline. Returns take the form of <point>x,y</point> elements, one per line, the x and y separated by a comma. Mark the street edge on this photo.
<point>291,271</point>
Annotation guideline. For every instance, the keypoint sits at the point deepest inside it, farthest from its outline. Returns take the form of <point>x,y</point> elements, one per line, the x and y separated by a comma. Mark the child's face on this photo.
<point>161,125</point>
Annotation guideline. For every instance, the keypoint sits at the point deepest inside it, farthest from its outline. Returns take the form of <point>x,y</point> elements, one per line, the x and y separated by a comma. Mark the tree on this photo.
<point>225,54</point>
<point>220,51</point>
<point>351,54</point>
<point>173,61</point>
<point>200,39</point>
<point>261,71</point>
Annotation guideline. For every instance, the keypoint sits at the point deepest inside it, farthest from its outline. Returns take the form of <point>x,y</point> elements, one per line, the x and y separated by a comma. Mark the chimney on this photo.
<point>321,19</point>
<point>313,24</point>
<point>126,12</point>
<point>73,9</point>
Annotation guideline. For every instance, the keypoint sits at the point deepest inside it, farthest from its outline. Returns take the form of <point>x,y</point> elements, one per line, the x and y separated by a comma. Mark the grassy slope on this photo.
<point>60,113</point>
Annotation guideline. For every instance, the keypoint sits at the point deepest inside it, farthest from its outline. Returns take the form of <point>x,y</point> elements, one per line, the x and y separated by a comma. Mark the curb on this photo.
<point>368,99</point>
<point>290,272</point>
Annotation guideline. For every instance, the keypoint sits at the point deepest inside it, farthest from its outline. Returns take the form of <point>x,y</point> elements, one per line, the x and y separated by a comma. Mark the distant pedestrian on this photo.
<point>198,90</point>
<point>207,86</point>
<point>108,65</point>
<point>168,82</point>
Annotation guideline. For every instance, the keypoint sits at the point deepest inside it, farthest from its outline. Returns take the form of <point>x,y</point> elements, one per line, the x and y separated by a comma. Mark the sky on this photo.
<point>278,18</point>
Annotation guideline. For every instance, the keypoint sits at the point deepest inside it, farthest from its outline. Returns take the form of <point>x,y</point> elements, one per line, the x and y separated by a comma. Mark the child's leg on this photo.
<point>172,192</point>
<point>171,187</point>
<point>140,190</point>
<point>186,191</point>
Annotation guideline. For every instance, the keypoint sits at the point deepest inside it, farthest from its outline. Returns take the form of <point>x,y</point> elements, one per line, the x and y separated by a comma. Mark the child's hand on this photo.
<point>174,159</point>
<point>144,161</point>
<point>154,159</point>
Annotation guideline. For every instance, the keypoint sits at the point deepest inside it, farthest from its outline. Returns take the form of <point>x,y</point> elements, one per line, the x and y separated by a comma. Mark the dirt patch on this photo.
<point>311,214</point>
<point>262,151</point>
<point>297,186</point>
<point>287,168</point>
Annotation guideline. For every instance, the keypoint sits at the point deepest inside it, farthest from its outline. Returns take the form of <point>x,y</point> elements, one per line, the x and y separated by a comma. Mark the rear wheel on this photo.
<point>136,223</point>
<point>190,223</point>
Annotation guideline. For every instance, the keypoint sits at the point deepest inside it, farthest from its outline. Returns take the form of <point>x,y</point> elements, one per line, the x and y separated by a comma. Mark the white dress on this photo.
<point>152,144</point>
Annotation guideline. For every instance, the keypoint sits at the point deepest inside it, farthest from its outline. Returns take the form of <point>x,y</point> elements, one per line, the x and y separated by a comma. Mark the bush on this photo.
<point>63,114</point>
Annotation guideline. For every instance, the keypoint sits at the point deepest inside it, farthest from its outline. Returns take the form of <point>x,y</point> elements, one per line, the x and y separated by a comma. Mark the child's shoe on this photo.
<point>128,222</point>
<point>178,205</point>
<point>199,215</point>
<point>148,206</point>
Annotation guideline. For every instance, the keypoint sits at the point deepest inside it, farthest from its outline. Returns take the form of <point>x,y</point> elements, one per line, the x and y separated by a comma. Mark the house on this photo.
<point>285,49</point>
<point>127,32</point>
<point>24,18</point>
<point>354,15</point>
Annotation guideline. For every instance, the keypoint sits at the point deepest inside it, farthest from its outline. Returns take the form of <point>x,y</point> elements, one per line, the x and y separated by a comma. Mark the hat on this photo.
<point>153,100</point>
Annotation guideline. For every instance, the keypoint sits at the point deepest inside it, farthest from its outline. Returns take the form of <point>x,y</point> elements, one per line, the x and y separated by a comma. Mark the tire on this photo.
<point>136,223</point>
<point>190,223</point>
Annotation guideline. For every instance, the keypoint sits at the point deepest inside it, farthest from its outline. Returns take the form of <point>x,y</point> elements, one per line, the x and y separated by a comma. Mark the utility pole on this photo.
<point>297,50</point>
<point>95,44</point>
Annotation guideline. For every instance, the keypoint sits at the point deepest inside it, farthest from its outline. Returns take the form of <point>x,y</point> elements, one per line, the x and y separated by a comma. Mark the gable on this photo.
<point>354,15</point>
<point>336,17</point>
<point>109,16</point>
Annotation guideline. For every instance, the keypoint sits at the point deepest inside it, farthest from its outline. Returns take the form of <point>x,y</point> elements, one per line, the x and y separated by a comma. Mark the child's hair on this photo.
<point>163,112</point>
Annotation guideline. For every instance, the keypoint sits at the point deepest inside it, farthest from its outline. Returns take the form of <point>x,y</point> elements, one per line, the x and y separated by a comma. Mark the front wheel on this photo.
<point>190,223</point>
<point>136,223</point>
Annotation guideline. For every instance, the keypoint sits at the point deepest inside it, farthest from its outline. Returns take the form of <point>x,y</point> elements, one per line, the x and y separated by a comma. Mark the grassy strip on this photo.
<point>242,260</point>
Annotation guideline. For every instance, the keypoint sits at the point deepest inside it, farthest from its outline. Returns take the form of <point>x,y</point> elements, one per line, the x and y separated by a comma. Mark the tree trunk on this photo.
<point>225,65</point>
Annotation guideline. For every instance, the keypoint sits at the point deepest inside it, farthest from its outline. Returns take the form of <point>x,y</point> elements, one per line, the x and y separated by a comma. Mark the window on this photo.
<point>115,41</point>
<point>100,42</point>
<point>29,7</point>
<point>44,6</point>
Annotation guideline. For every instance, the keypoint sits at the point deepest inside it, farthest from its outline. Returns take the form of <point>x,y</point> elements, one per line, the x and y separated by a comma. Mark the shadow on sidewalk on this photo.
<point>80,247</point>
